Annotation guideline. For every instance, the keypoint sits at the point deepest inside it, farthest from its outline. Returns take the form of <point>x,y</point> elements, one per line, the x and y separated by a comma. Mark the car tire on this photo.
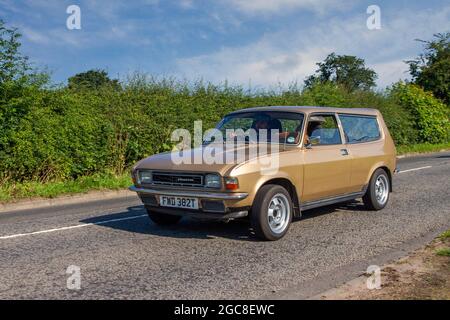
<point>162,218</point>
<point>377,194</point>
<point>272,212</point>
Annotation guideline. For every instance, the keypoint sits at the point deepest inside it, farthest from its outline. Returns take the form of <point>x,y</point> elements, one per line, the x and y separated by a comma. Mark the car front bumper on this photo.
<point>192,194</point>
<point>212,205</point>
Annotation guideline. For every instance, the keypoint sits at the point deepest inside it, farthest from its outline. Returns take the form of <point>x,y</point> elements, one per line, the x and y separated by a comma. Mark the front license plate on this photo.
<point>178,202</point>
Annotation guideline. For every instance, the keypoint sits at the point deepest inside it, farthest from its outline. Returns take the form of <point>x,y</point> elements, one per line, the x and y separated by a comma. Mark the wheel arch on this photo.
<point>290,187</point>
<point>388,172</point>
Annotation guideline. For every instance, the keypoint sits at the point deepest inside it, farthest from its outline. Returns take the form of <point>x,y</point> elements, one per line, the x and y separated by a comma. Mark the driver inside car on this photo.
<point>315,123</point>
<point>261,126</point>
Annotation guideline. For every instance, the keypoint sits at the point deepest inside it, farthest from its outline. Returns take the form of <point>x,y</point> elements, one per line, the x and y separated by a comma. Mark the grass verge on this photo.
<point>11,192</point>
<point>445,235</point>
<point>445,252</point>
<point>422,148</point>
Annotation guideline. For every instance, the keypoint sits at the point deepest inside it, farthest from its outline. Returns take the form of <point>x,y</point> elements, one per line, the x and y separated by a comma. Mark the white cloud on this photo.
<point>186,4</point>
<point>269,6</point>
<point>258,63</point>
<point>286,56</point>
<point>390,72</point>
<point>34,35</point>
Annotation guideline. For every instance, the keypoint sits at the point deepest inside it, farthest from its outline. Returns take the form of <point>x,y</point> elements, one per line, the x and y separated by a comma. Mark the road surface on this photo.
<point>122,255</point>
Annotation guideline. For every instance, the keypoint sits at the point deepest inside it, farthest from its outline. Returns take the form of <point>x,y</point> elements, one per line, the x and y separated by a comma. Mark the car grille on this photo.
<point>178,179</point>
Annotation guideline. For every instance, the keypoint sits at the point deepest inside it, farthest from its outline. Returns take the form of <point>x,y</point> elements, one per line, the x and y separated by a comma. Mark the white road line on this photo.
<point>70,227</point>
<point>414,169</point>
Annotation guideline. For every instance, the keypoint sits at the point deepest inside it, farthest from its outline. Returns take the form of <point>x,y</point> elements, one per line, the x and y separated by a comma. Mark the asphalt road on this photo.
<point>122,255</point>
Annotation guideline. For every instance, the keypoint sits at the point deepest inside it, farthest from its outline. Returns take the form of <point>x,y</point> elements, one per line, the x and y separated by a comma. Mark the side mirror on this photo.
<point>314,141</point>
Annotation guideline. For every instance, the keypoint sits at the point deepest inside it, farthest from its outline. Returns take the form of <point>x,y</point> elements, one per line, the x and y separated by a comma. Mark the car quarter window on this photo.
<point>359,129</point>
<point>323,130</point>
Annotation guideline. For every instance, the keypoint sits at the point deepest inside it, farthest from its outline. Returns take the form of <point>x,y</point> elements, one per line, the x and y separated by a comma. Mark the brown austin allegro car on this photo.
<point>325,156</point>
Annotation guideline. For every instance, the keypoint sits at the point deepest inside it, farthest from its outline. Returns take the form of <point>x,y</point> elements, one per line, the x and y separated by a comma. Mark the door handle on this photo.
<point>344,152</point>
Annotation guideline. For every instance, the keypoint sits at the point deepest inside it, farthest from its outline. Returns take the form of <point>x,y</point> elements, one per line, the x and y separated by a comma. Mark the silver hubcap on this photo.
<point>278,213</point>
<point>381,189</point>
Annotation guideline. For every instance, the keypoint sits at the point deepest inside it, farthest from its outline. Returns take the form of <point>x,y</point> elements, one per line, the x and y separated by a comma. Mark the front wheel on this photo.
<point>272,212</point>
<point>377,194</point>
<point>163,219</point>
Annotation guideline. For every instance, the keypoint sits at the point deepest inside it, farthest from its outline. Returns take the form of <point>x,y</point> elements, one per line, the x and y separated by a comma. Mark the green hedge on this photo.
<point>429,116</point>
<point>59,134</point>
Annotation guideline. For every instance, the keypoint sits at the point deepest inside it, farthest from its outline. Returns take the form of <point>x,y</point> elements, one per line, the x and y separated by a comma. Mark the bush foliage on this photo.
<point>49,134</point>
<point>429,115</point>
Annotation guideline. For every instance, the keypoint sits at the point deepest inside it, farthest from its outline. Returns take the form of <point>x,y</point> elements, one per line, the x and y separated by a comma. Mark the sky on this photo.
<point>254,43</point>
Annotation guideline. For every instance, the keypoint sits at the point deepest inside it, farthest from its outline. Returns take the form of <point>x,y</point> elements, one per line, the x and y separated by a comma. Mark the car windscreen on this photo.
<point>268,126</point>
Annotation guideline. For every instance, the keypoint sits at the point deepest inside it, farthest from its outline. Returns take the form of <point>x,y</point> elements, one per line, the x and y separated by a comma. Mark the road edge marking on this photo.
<point>415,169</point>
<point>69,227</point>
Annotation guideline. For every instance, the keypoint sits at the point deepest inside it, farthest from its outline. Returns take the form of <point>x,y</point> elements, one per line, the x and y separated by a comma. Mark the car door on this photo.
<point>327,164</point>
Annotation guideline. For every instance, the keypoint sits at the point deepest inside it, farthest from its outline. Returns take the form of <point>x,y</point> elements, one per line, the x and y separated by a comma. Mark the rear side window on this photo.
<point>360,128</point>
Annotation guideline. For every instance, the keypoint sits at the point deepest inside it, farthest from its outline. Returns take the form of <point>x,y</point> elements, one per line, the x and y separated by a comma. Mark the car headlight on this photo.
<point>144,176</point>
<point>212,181</point>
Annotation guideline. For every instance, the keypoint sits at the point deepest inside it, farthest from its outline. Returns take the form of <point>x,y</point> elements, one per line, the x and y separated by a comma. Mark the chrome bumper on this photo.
<point>194,194</point>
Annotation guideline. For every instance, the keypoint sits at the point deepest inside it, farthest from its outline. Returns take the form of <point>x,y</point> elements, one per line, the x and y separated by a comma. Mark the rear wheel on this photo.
<point>162,218</point>
<point>377,194</point>
<point>271,212</point>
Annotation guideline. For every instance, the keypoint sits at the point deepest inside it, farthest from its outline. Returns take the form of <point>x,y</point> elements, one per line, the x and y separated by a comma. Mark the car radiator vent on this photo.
<point>178,179</point>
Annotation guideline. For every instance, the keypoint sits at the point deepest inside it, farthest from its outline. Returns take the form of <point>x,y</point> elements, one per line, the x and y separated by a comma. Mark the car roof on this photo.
<point>311,109</point>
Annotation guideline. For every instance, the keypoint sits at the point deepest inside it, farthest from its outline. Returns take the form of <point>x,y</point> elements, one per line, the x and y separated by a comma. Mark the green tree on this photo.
<point>349,71</point>
<point>13,64</point>
<point>431,70</point>
<point>92,79</point>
